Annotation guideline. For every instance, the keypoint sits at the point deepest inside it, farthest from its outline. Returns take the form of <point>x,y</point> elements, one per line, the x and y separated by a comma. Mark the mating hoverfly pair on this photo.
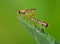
<point>43,23</point>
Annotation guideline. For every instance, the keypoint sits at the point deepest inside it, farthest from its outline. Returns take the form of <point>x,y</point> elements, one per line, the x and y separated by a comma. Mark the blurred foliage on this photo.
<point>13,32</point>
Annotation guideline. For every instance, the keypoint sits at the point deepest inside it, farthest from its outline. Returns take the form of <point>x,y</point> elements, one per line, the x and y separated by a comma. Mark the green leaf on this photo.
<point>38,34</point>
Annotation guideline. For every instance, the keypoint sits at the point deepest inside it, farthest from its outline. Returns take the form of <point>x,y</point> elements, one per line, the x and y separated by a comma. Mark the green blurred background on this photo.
<point>13,32</point>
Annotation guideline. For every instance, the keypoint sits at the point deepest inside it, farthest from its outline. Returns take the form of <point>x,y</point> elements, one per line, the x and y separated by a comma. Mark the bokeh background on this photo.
<point>13,32</point>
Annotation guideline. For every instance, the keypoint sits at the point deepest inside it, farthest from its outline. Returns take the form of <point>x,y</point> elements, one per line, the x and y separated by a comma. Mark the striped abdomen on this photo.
<point>40,22</point>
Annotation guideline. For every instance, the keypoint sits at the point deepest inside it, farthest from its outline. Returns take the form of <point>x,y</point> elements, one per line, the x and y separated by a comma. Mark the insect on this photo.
<point>43,23</point>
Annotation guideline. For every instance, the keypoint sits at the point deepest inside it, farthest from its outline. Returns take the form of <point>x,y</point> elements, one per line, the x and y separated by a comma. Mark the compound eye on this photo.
<point>19,12</point>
